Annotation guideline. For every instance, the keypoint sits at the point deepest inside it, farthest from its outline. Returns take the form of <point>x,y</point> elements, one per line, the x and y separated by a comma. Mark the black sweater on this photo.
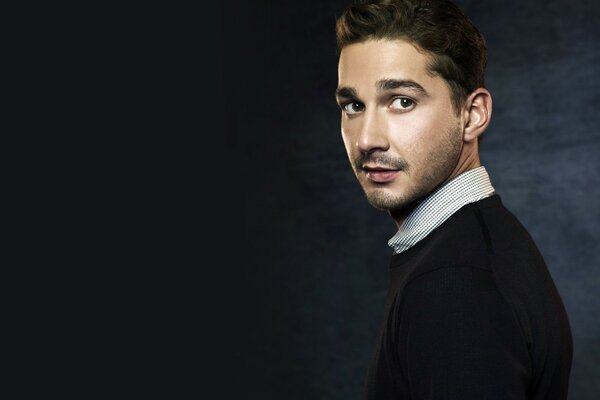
<point>472,313</point>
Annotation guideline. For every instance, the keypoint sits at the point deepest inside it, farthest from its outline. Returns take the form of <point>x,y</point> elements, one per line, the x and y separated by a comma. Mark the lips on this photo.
<point>380,174</point>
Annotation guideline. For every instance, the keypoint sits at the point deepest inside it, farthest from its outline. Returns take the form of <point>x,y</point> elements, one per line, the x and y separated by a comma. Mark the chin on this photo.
<point>385,200</point>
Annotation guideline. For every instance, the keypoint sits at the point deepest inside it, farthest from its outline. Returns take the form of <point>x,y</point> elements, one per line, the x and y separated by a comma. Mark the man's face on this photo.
<point>401,133</point>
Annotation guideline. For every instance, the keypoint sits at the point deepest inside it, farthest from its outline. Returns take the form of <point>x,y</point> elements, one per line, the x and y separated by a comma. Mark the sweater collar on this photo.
<point>468,187</point>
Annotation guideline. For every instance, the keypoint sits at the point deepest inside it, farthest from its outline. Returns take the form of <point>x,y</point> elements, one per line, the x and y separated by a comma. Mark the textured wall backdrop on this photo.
<point>314,269</point>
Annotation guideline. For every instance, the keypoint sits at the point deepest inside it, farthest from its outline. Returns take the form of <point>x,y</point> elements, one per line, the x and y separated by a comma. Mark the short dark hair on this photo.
<point>459,51</point>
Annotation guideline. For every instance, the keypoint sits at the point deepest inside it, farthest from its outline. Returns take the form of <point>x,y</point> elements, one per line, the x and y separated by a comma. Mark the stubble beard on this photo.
<point>433,171</point>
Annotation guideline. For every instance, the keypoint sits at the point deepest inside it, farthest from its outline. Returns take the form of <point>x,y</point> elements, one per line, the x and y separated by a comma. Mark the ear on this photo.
<point>478,113</point>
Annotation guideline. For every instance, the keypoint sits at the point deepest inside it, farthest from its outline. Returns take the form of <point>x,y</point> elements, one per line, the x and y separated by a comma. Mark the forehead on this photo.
<point>362,64</point>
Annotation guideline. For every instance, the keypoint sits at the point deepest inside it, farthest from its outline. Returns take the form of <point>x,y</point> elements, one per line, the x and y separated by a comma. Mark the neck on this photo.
<point>468,160</point>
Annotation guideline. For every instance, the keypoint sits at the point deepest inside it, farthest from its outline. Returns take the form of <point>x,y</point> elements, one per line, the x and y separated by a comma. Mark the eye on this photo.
<point>353,107</point>
<point>402,103</point>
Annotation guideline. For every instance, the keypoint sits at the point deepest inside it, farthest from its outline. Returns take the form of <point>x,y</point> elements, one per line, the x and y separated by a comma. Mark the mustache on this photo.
<point>380,160</point>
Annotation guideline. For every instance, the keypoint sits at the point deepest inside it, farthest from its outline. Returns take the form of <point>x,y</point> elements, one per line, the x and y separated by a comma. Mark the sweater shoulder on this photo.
<point>479,235</point>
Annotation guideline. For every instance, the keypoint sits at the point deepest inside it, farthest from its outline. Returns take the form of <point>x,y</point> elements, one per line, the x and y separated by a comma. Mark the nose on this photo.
<point>371,135</point>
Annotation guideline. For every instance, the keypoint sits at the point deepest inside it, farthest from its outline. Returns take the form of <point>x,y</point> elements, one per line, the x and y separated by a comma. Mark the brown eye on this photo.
<point>403,103</point>
<point>353,107</point>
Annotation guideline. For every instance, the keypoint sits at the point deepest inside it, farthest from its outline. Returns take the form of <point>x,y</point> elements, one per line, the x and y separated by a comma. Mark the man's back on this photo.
<point>471,313</point>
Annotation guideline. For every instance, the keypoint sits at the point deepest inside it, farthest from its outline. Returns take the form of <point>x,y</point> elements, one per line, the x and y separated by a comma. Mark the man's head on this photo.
<point>411,76</point>
<point>458,51</point>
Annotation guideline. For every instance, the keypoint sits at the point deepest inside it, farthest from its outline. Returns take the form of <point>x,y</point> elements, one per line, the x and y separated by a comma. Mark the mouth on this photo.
<point>380,174</point>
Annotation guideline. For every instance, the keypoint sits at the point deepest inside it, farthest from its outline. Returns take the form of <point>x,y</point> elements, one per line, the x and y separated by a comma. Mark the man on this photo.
<point>471,311</point>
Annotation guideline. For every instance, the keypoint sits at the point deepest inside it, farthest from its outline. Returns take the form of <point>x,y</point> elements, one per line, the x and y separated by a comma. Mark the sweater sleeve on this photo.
<point>459,338</point>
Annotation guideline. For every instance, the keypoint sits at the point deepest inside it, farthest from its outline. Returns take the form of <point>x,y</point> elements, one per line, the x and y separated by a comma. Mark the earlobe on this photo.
<point>479,114</point>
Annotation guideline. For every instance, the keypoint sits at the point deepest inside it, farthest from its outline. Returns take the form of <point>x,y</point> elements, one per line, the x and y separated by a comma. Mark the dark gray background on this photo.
<point>312,269</point>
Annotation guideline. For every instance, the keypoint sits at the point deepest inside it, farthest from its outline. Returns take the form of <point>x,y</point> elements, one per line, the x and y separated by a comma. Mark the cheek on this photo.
<point>406,135</point>
<point>348,138</point>
<point>422,123</point>
<point>416,138</point>
<point>349,148</point>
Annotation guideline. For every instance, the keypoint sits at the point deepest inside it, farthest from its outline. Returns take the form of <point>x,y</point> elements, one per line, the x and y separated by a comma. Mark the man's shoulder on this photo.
<point>460,240</point>
<point>478,236</point>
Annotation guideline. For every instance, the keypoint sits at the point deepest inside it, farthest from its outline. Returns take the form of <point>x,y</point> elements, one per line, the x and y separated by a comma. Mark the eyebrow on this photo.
<point>382,85</point>
<point>346,92</point>
<point>388,84</point>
